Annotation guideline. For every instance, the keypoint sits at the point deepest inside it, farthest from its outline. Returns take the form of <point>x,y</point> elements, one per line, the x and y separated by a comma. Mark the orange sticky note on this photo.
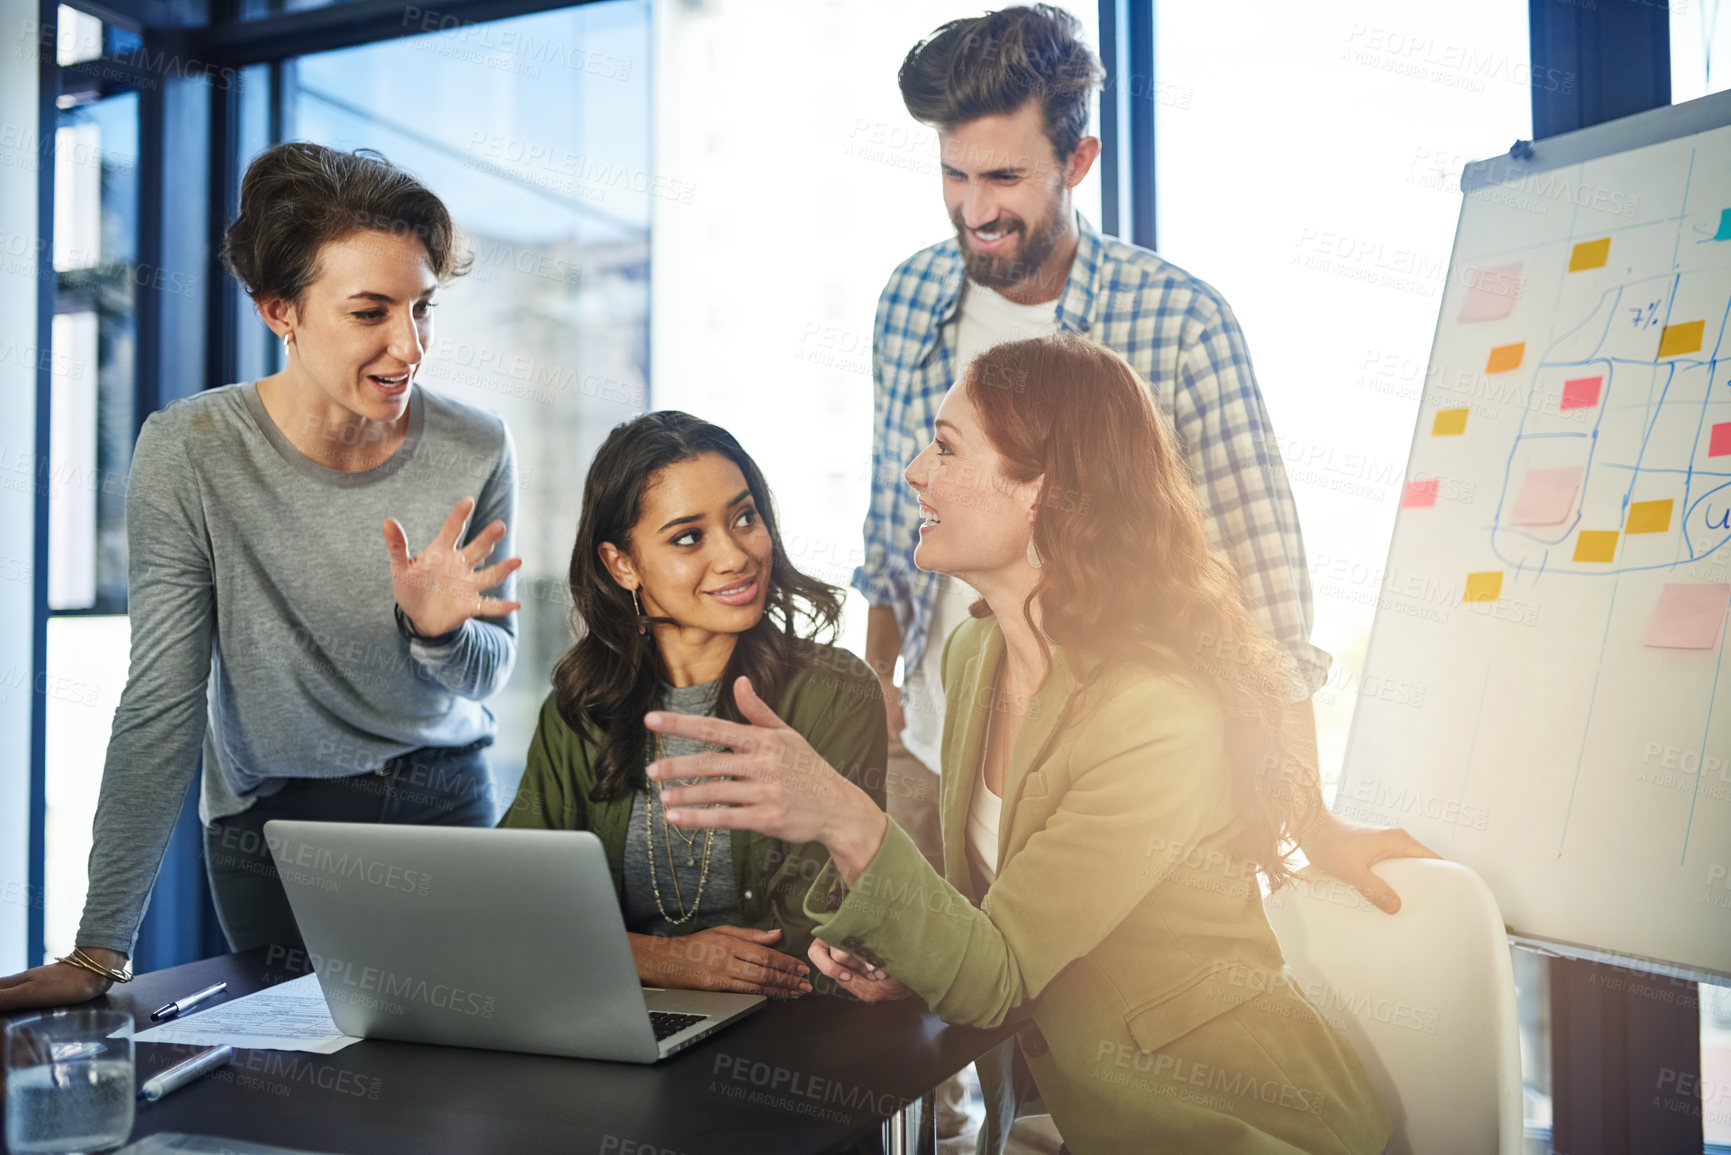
<point>1590,255</point>
<point>1449,423</point>
<point>1649,517</point>
<point>1484,587</point>
<point>1679,339</point>
<point>1506,357</point>
<point>1596,545</point>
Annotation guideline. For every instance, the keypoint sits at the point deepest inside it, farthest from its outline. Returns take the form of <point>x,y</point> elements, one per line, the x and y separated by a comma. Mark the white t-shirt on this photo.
<point>987,319</point>
<point>983,817</point>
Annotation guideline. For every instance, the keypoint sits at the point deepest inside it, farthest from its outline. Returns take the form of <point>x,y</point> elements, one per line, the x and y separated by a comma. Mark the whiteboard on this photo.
<point>1547,692</point>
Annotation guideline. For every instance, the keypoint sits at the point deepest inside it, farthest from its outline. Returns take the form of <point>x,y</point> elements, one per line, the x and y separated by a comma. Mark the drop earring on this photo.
<point>638,606</point>
<point>287,339</point>
<point>1034,555</point>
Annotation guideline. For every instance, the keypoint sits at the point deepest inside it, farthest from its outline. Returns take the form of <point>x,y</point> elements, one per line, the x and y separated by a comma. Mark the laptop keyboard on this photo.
<point>669,1023</point>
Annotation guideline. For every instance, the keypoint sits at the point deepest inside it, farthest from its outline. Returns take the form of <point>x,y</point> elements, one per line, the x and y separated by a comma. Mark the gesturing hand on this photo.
<point>779,785</point>
<point>868,984</point>
<point>722,958</point>
<point>439,588</point>
<point>1347,851</point>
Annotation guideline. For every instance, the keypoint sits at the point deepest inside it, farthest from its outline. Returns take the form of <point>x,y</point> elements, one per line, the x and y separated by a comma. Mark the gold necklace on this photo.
<point>667,842</point>
<point>690,840</point>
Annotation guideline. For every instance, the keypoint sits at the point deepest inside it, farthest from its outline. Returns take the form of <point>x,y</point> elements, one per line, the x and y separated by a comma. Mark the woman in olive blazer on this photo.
<point>679,582</point>
<point>1116,775</point>
<point>833,699</point>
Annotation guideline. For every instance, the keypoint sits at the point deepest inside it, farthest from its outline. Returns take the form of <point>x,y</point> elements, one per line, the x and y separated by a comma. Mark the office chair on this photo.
<point>1426,996</point>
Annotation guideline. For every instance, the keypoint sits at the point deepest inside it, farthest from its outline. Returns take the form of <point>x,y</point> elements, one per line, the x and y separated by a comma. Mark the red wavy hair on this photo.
<point>1128,573</point>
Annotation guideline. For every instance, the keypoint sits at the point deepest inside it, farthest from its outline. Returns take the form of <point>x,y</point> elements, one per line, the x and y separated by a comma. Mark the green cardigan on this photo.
<point>835,701</point>
<point>1159,1012</point>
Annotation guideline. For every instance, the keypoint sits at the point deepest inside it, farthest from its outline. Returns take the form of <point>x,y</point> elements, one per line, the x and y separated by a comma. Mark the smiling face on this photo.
<point>1008,195</point>
<point>976,521</point>
<point>361,328</point>
<point>699,554</point>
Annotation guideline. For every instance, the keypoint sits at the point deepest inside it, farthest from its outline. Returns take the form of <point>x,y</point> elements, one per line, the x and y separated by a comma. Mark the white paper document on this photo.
<point>289,1017</point>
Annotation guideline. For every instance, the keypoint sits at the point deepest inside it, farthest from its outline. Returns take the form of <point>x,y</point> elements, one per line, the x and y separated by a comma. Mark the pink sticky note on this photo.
<point>1420,494</point>
<point>1493,293</point>
<point>1547,496</point>
<point>1719,442</point>
<point>1689,616</point>
<point>1582,392</point>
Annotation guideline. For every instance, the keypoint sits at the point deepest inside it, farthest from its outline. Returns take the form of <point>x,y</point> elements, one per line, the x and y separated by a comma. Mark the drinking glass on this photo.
<point>69,1085</point>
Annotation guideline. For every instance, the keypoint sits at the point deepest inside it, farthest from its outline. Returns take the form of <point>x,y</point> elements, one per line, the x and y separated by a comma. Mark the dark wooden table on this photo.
<point>818,1074</point>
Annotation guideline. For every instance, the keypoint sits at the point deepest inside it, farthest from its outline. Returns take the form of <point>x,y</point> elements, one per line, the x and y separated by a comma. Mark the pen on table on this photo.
<point>181,1006</point>
<point>181,1074</point>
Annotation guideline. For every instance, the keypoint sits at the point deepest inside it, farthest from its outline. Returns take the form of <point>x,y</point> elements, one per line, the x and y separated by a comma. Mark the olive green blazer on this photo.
<point>1159,1012</point>
<point>835,702</point>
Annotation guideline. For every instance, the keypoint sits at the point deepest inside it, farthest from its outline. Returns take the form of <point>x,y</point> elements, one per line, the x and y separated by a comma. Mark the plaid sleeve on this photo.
<point>1230,443</point>
<point>880,578</point>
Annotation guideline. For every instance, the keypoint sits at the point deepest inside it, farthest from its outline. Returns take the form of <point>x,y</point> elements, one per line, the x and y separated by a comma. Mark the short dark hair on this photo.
<point>992,65</point>
<point>296,197</point>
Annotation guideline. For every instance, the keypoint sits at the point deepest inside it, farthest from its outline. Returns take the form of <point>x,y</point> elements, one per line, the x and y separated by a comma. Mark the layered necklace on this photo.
<point>668,834</point>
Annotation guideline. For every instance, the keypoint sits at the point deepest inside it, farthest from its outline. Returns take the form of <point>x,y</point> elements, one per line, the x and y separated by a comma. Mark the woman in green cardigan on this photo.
<point>1116,775</point>
<point>679,584</point>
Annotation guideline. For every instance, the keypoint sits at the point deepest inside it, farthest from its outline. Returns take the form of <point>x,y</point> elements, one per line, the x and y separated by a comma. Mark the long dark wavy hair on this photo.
<point>1127,570</point>
<point>607,680</point>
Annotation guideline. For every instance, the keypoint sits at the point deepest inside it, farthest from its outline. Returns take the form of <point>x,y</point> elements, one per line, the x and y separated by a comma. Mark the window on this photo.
<point>810,183</point>
<point>1326,217</point>
<point>1327,223</point>
<point>535,131</point>
<point>1715,1087</point>
<point>93,369</point>
<point>1699,41</point>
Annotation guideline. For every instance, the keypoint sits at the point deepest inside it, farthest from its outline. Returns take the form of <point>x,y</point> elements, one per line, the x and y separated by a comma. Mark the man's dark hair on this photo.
<point>297,196</point>
<point>992,65</point>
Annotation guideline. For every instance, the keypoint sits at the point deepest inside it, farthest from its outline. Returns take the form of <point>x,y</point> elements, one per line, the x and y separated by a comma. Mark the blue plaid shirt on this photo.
<point>1182,337</point>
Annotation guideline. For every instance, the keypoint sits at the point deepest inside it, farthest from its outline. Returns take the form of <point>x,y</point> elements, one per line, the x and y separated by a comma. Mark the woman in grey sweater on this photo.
<point>324,673</point>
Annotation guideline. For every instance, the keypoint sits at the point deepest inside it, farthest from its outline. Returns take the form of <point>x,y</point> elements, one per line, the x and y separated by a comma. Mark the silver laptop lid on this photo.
<point>504,939</point>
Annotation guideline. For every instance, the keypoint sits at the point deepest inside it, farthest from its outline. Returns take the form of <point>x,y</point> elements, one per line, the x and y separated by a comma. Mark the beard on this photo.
<point>1000,271</point>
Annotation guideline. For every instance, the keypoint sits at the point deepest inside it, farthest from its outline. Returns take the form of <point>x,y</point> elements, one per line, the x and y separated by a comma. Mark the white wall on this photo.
<point>19,160</point>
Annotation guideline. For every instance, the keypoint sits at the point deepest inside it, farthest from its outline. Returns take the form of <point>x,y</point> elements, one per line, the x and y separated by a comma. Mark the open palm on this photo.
<point>442,587</point>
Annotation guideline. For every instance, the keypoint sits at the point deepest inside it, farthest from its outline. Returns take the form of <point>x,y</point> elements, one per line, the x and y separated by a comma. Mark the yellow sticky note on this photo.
<point>1649,517</point>
<point>1590,255</point>
<point>1596,545</point>
<point>1679,339</point>
<point>1449,423</point>
<point>1506,357</point>
<point>1484,587</point>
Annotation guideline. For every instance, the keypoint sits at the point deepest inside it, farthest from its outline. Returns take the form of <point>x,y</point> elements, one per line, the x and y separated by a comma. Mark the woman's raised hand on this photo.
<point>780,786</point>
<point>441,587</point>
<point>768,779</point>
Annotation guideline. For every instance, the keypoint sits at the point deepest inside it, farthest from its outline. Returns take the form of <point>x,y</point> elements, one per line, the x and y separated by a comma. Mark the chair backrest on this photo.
<point>1426,996</point>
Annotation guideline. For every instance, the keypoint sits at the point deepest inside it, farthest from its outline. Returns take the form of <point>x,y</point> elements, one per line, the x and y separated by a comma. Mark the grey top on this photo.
<point>260,600</point>
<point>720,903</point>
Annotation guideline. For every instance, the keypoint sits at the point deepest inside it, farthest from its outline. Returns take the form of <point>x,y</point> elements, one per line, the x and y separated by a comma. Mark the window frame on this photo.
<point>188,189</point>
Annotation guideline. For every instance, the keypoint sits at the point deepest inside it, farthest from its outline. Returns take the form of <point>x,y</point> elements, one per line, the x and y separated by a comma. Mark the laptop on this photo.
<point>509,940</point>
